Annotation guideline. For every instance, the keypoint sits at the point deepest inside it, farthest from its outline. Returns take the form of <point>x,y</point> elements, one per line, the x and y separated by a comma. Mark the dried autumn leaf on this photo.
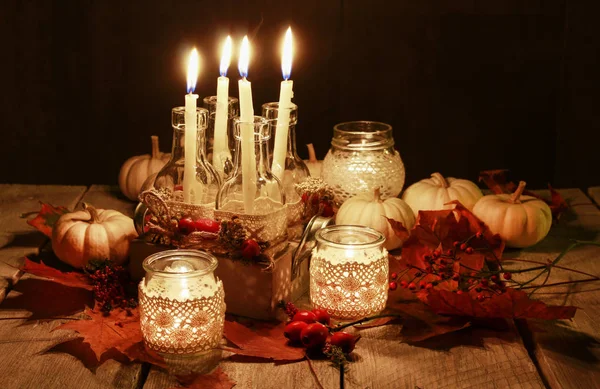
<point>218,379</point>
<point>46,218</point>
<point>73,279</point>
<point>265,343</point>
<point>512,303</point>
<point>399,230</point>
<point>140,353</point>
<point>46,299</point>
<point>119,330</point>
<point>82,351</point>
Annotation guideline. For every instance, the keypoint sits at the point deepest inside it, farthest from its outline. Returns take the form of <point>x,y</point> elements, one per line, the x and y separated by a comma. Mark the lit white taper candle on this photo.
<point>221,146</point>
<point>191,186</point>
<point>247,129</point>
<point>285,103</point>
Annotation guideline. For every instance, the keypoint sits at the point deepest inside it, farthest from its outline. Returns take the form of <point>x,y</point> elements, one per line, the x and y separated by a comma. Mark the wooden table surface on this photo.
<point>563,354</point>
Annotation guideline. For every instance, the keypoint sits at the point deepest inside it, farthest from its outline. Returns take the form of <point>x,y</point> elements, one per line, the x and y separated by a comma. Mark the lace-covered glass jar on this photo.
<point>349,272</point>
<point>182,303</point>
<point>362,157</point>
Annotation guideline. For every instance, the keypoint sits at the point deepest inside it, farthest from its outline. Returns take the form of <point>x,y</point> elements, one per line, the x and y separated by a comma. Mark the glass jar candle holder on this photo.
<point>182,303</point>
<point>252,189</point>
<point>361,158</point>
<point>206,182</point>
<point>349,272</point>
<point>220,145</point>
<point>293,170</point>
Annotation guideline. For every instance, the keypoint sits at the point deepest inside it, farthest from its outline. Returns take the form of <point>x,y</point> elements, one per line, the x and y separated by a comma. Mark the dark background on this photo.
<point>467,84</point>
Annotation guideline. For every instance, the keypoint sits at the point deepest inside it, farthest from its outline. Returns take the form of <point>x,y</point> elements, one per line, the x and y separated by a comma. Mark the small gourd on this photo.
<point>434,193</point>
<point>371,211</point>
<point>521,221</point>
<point>136,170</point>
<point>78,237</point>
<point>312,163</point>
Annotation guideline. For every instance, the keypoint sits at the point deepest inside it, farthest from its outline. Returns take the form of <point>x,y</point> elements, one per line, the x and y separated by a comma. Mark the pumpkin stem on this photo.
<point>515,199</point>
<point>93,213</point>
<point>312,156</point>
<point>155,148</point>
<point>377,194</point>
<point>441,179</point>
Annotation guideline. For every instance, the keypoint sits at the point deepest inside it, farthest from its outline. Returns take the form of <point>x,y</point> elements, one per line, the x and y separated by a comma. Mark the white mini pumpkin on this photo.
<point>521,221</point>
<point>312,163</point>
<point>78,237</point>
<point>433,193</point>
<point>136,170</point>
<point>371,211</point>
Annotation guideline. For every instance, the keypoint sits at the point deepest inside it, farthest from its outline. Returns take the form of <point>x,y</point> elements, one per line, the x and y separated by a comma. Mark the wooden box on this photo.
<point>250,290</point>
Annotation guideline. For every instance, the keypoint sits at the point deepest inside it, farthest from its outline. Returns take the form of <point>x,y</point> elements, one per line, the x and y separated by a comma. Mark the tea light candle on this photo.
<point>182,306</point>
<point>221,150</point>
<point>285,104</point>
<point>247,130</point>
<point>349,272</point>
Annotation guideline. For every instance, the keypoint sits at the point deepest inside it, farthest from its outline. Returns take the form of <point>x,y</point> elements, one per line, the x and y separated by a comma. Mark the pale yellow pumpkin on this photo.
<point>136,170</point>
<point>434,193</point>
<point>371,211</point>
<point>312,163</point>
<point>521,221</point>
<point>78,237</point>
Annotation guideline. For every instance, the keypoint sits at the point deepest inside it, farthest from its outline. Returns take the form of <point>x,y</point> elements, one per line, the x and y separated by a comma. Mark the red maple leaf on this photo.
<point>46,218</point>
<point>510,304</point>
<point>498,183</point>
<point>73,279</point>
<point>119,330</point>
<point>218,379</point>
<point>267,342</point>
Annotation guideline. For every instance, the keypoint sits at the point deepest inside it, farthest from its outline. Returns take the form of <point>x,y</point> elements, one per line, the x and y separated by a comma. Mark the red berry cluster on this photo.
<point>311,329</point>
<point>441,266</point>
<point>187,225</point>
<point>322,204</point>
<point>109,283</point>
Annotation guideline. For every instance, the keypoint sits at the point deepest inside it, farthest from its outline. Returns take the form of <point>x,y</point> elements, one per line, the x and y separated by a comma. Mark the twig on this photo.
<point>561,283</point>
<point>341,327</point>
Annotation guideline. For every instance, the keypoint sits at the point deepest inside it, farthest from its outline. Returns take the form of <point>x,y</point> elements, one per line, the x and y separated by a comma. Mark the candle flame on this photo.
<point>192,71</point>
<point>244,57</point>
<point>286,58</point>
<point>225,57</point>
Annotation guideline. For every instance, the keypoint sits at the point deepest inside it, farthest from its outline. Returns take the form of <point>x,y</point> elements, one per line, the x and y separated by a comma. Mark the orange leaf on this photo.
<point>46,218</point>
<point>72,279</point>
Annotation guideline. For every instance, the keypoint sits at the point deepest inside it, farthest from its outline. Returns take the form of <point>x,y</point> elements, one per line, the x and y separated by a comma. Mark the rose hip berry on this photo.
<point>250,249</point>
<point>314,335</point>
<point>345,341</point>
<point>469,250</point>
<point>322,316</point>
<point>186,226</point>
<point>305,316</point>
<point>393,285</point>
<point>507,276</point>
<point>463,246</point>
<point>207,225</point>
<point>394,276</point>
<point>293,330</point>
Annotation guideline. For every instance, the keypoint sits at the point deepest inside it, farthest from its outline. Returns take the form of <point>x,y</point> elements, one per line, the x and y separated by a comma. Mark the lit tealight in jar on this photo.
<point>349,272</point>
<point>182,306</point>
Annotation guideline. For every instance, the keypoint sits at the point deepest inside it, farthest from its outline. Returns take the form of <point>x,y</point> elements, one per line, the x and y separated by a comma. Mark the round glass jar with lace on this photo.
<point>349,272</point>
<point>362,157</point>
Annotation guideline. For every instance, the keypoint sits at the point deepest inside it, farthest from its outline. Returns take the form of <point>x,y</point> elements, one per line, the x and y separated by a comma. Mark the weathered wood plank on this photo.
<point>21,239</point>
<point>594,193</point>
<point>567,352</point>
<point>24,364</point>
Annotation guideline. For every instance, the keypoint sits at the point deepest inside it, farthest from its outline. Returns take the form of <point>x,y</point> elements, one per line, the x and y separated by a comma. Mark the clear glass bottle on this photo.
<point>362,157</point>
<point>349,272</point>
<point>251,189</point>
<point>182,303</point>
<point>222,161</point>
<point>295,170</point>
<point>170,177</point>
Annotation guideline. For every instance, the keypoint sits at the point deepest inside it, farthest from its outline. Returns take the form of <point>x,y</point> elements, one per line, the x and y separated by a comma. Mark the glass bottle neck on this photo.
<point>261,153</point>
<point>178,150</point>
